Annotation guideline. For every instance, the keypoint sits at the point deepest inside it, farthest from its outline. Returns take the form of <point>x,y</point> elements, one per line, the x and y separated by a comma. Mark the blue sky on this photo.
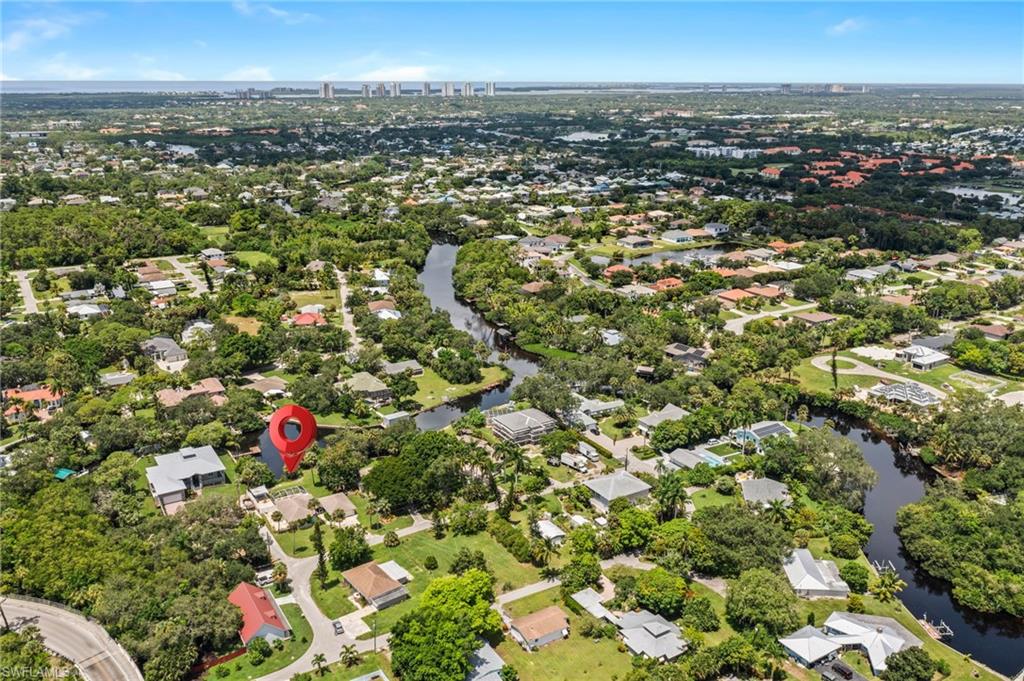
<point>600,41</point>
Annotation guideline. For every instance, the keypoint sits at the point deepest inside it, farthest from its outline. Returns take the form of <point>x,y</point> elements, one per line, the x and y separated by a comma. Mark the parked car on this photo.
<point>842,669</point>
<point>338,628</point>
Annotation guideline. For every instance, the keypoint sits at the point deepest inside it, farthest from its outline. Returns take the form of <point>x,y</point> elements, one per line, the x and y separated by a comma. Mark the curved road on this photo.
<point>823,362</point>
<point>70,635</point>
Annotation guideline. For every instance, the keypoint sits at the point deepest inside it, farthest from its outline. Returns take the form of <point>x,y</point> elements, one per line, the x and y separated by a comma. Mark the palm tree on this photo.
<point>671,493</point>
<point>349,655</point>
<point>319,660</point>
<point>777,512</point>
<point>887,585</point>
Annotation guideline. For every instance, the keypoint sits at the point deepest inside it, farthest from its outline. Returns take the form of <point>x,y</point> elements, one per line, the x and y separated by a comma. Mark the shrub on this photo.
<point>509,536</point>
<point>222,671</point>
<point>467,559</point>
<point>801,538</point>
<point>855,603</point>
<point>391,539</point>
<point>259,650</point>
<point>430,563</point>
<point>856,577</point>
<point>699,614</point>
<point>844,545</point>
<point>725,485</point>
<point>467,518</point>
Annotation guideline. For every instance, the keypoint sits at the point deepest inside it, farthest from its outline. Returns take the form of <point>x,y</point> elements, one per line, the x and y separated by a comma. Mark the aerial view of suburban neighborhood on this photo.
<point>390,375</point>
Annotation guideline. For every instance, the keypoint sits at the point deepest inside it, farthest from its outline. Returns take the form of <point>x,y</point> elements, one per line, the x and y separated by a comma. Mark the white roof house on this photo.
<point>814,578</point>
<point>669,412</point>
<point>808,646</point>
<point>879,637</point>
<point>763,491</point>
<point>650,635</point>
<point>187,468</point>
<point>619,485</point>
<point>548,530</point>
<point>396,572</point>
<point>590,601</point>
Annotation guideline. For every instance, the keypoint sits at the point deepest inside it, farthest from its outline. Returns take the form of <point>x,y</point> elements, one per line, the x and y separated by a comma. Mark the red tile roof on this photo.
<point>257,610</point>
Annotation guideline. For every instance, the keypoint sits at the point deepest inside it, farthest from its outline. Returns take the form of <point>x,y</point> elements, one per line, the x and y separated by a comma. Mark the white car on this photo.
<point>338,629</point>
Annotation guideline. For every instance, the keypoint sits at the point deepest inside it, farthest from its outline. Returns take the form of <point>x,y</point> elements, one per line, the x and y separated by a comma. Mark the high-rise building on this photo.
<point>448,90</point>
<point>836,88</point>
<point>786,88</point>
<point>489,88</point>
<point>366,89</point>
<point>396,89</point>
<point>426,90</point>
<point>380,89</point>
<point>467,89</point>
<point>326,90</point>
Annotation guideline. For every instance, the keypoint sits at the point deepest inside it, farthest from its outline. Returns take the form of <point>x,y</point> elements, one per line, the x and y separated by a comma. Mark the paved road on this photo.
<point>28,296</point>
<point>347,322</point>
<point>524,591</point>
<point>72,636</point>
<point>300,572</point>
<point>824,362</point>
<point>736,325</point>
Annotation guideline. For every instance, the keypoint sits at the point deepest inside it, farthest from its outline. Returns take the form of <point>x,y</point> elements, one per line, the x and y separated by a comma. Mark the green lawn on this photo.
<point>302,636</point>
<point>814,379</point>
<point>333,597</point>
<point>253,258</point>
<point>939,376</point>
<point>325,298</point>
<point>709,497</point>
<point>414,549</point>
<point>545,351</point>
<point>434,390</point>
<point>571,658</point>
<point>362,505</point>
<point>368,663</point>
<point>723,449</point>
<point>216,235</point>
<point>608,427</point>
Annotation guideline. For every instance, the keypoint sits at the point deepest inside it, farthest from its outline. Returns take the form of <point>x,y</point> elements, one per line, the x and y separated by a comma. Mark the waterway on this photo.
<point>994,641</point>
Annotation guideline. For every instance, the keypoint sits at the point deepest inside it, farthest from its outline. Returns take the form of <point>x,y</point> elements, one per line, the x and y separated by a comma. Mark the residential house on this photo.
<point>611,337</point>
<point>877,637</point>
<point>670,412</point>
<point>296,510</point>
<point>590,600</point>
<point>692,358</point>
<point>261,615</point>
<point>270,386</point>
<point>211,254</point>
<point>809,646</point>
<point>619,485</point>
<point>167,354</point>
<point>87,310</point>
<point>189,468</point>
<point>374,585</point>
<point>676,236</point>
<point>757,433</point>
<point>921,357</point>
<point>540,628</point>
<point>196,329</point>
<point>368,387</point>
<point>525,426</point>
<point>910,392</point>
<point>815,318</point>
<point>716,229</point>
<point>634,241</point>
<point>550,532</point>
<point>993,332</point>
<point>306,319</point>
<point>211,387</point>
<point>485,664</point>
<point>337,505</point>
<point>764,491</point>
<point>731,298</point>
<point>651,636</point>
<point>812,578</point>
<point>38,400</point>
<point>395,368</point>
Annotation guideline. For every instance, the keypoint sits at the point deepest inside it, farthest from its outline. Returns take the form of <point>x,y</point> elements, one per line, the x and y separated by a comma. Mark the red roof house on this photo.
<point>261,616</point>
<point>308,319</point>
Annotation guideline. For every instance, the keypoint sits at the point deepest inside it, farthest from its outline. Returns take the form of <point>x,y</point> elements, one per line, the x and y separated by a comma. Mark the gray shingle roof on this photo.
<point>617,485</point>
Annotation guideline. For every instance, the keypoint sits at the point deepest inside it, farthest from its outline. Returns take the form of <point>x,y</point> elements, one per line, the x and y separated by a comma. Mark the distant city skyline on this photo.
<point>800,42</point>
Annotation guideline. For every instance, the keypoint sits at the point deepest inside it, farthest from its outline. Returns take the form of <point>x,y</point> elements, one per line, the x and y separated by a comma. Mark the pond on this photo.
<point>997,642</point>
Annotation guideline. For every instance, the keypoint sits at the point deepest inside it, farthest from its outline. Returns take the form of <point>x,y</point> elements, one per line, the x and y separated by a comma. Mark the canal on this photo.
<point>995,641</point>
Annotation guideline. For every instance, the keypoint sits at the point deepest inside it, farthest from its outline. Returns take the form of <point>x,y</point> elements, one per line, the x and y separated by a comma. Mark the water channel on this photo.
<point>994,641</point>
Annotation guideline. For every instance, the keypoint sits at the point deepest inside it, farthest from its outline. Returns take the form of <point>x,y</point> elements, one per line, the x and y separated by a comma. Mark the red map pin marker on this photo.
<point>292,450</point>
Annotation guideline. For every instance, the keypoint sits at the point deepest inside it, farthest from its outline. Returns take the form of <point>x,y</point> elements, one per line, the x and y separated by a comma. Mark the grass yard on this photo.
<point>709,497</point>
<point>723,449</point>
<point>551,353</point>
<point>325,298</point>
<point>718,603</point>
<point>946,374</point>
<point>368,663</point>
<point>816,380</point>
<point>608,427</point>
<point>333,598</point>
<point>414,549</point>
<point>216,235</point>
<point>432,390</point>
<point>571,658</point>
<point>294,648</point>
<point>362,505</point>
<point>247,325</point>
<point>253,258</point>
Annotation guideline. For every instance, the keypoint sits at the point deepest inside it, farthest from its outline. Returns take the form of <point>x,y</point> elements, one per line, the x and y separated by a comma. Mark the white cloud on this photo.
<point>246,8</point>
<point>249,73</point>
<point>24,32</point>
<point>161,74</point>
<point>58,67</point>
<point>848,25</point>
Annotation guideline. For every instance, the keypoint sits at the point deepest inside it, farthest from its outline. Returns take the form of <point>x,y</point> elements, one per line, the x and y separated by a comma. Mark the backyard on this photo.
<point>432,390</point>
<point>242,670</point>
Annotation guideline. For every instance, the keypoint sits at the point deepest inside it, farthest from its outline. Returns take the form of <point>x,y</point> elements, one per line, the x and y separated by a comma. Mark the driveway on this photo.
<point>28,296</point>
<point>736,325</point>
<point>824,362</point>
<point>70,635</point>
